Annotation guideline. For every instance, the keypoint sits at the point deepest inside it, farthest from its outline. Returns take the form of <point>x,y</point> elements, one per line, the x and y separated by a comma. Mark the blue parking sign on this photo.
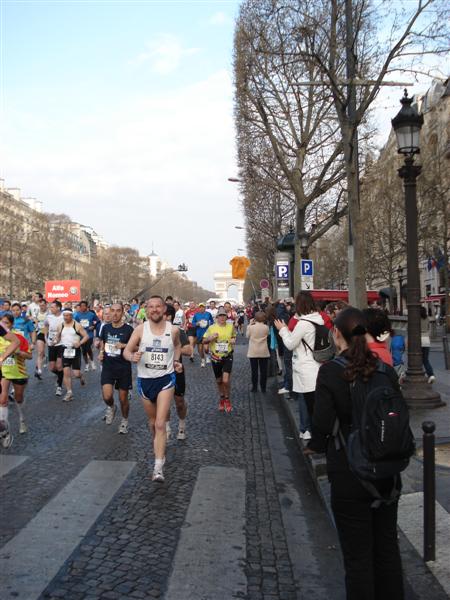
<point>306,267</point>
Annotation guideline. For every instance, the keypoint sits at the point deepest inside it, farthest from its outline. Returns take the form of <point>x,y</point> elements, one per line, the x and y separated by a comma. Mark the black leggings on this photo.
<point>259,364</point>
<point>368,539</point>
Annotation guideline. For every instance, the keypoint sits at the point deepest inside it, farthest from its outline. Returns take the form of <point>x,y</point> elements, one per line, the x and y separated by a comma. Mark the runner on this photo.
<point>240,319</point>
<point>179,315</point>
<point>34,306</point>
<point>100,324</point>
<point>14,371</point>
<point>52,326</point>
<point>23,325</point>
<point>39,323</point>
<point>116,371</point>
<point>155,347</point>
<point>212,309</point>
<point>88,320</point>
<point>180,380</point>
<point>189,328</point>
<point>201,321</point>
<point>71,335</point>
<point>231,314</point>
<point>222,336</point>
<point>6,437</point>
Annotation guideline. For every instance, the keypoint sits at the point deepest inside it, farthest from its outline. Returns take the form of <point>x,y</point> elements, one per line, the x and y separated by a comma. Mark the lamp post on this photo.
<point>303,238</point>
<point>401,279</point>
<point>407,125</point>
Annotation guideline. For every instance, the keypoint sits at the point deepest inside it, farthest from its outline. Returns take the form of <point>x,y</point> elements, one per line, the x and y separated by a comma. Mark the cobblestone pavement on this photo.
<point>129,551</point>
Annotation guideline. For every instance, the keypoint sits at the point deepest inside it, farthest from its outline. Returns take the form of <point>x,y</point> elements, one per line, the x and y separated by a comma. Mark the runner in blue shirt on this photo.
<point>201,321</point>
<point>23,325</point>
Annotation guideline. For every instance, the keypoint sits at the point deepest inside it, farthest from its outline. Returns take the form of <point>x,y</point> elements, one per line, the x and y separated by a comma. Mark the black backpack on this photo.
<point>324,348</point>
<point>380,442</point>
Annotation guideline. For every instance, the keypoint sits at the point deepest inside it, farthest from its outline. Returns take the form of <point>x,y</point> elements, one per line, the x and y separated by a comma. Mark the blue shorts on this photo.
<point>149,388</point>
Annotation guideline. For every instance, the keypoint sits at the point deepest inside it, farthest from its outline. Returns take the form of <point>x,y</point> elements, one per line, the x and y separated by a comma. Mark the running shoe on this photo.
<point>123,427</point>
<point>208,360</point>
<point>306,435</point>
<point>191,359</point>
<point>68,397</point>
<point>23,427</point>
<point>59,391</point>
<point>181,434</point>
<point>7,439</point>
<point>82,380</point>
<point>38,374</point>
<point>431,379</point>
<point>86,369</point>
<point>158,475</point>
<point>202,364</point>
<point>93,366</point>
<point>221,405</point>
<point>228,407</point>
<point>110,413</point>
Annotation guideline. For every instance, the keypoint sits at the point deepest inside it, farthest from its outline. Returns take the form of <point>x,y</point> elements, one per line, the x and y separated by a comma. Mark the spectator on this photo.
<point>426,343</point>
<point>258,350</point>
<point>378,333</point>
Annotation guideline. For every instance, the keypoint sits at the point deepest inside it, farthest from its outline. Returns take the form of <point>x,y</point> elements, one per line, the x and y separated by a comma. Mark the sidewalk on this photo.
<point>411,506</point>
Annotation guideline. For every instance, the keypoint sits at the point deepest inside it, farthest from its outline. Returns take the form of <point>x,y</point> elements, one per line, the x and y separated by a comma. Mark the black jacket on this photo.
<point>332,399</point>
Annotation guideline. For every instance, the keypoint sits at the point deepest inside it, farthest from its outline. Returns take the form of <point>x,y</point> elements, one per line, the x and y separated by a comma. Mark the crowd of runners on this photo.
<point>72,339</point>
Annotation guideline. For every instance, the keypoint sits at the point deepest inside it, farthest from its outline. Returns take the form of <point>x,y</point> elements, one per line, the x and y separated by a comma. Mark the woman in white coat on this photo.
<point>304,368</point>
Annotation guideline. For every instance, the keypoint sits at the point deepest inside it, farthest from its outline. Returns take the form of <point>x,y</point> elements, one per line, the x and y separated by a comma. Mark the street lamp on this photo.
<point>407,125</point>
<point>303,237</point>
<point>401,279</point>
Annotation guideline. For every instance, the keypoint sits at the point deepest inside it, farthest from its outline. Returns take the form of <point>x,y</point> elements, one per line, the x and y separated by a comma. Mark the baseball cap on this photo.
<point>201,304</point>
<point>221,311</point>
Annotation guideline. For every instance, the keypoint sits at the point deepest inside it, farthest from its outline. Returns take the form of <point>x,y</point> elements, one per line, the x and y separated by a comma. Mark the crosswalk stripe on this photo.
<point>410,519</point>
<point>8,462</point>
<point>210,555</point>
<point>33,557</point>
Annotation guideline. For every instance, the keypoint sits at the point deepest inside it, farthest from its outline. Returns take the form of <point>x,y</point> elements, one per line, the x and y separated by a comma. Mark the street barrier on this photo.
<point>429,492</point>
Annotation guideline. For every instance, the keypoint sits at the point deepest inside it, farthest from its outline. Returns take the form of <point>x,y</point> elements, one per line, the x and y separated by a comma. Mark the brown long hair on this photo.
<point>304,303</point>
<point>362,361</point>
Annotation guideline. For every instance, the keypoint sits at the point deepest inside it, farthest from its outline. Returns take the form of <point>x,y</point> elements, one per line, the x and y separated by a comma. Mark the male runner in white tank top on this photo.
<point>155,347</point>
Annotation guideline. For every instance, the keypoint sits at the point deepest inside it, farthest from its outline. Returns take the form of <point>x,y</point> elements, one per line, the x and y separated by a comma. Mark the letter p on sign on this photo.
<point>307,267</point>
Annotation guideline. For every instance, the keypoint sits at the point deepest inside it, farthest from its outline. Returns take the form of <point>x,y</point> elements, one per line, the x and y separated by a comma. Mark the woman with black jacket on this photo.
<point>367,535</point>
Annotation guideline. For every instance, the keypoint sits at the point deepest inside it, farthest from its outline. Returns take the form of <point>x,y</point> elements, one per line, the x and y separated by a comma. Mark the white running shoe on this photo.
<point>181,434</point>
<point>68,397</point>
<point>283,391</point>
<point>168,430</point>
<point>23,427</point>
<point>86,368</point>
<point>58,391</point>
<point>123,427</point>
<point>202,364</point>
<point>307,435</point>
<point>208,360</point>
<point>7,439</point>
<point>93,366</point>
<point>158,475</point>
<point>110,413</point>
<point>431,379</point>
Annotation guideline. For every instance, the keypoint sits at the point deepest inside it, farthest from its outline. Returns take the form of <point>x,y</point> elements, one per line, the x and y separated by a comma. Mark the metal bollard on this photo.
<point>446,352</point>
<point>429,492</point>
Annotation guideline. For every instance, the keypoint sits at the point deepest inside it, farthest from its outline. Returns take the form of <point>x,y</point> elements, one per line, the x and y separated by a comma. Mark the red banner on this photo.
<point>64,290</point>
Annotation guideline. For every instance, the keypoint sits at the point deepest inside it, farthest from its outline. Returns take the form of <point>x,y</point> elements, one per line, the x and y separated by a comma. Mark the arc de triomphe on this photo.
<point>223,280</point>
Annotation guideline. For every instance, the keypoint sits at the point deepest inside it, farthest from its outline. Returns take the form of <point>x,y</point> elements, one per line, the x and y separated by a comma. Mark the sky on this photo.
<point>120,114</point>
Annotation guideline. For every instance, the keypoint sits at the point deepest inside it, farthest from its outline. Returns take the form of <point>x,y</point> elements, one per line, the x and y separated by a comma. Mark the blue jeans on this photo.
<point>305,421</point>
<point>287,359</point>
<point>426,361</point>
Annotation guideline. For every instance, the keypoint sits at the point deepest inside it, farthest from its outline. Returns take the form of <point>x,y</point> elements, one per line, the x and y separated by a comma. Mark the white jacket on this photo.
<point>304,367</point>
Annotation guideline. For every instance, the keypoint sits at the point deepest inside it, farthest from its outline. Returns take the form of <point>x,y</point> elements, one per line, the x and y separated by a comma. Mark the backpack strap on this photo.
<point>305,343</point>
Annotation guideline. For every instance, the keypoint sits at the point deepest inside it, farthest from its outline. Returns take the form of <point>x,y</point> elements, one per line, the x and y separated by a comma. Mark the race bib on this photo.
<point>222,347</point>
<point>9,362</point>
<point>84,322</point>
<point>69,352</point>
<point>111,350</point>
<point>156,358</point>
<point>203,323</point>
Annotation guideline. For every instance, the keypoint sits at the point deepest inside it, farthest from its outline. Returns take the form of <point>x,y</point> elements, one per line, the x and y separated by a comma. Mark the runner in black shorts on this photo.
<point>116,371</point>
<point>180,380</point>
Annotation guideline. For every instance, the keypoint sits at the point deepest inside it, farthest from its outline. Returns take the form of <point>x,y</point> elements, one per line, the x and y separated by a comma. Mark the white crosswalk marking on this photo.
<point>211,552</point>
<point>410,519</point>
<point>8,462</point>
<point>33,557</point>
